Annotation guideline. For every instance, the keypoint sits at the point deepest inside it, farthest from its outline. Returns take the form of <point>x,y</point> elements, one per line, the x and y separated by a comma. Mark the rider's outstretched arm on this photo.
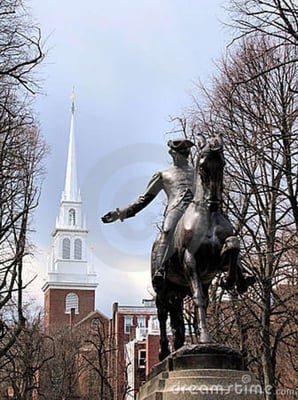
<point>153,188</point>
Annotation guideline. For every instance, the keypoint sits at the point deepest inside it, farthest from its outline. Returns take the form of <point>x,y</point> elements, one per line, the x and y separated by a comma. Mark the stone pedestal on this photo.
<point>204,371</point>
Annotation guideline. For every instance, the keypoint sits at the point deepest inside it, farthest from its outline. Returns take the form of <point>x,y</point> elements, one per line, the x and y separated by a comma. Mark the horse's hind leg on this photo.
<point>162,314</point>
<point>177,323</point>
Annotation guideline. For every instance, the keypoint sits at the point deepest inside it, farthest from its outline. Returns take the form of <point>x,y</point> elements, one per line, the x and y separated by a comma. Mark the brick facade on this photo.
<point>95,329</point>
<point>55,306</point>
<point>128,341</point>
<point>152,351</point>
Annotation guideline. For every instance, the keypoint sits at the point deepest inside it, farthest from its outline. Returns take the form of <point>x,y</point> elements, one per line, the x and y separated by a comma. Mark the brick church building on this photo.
<point>71,282</point>
<point>69,296</point>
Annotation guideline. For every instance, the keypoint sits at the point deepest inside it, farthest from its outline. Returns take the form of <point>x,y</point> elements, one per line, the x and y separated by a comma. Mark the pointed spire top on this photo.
<point>71,191</point>
<point>72,98</point>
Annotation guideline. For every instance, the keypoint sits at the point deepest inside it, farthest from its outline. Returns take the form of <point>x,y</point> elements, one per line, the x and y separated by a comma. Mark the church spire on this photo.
<point>71,281</point>
<point>71,192</point>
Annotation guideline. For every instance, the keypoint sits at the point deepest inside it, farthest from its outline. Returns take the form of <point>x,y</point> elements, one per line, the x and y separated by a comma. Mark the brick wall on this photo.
<point>140,371</point>
<point>54,306</point>
<point>120,339</point>
<point>152,350</point>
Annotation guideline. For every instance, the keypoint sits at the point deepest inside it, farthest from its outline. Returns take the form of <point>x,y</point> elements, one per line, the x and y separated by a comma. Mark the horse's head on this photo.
<point>210,165</point>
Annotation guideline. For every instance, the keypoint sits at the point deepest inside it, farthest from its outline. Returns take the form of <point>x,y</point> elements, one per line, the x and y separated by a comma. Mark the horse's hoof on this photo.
<point>158,280</point>
<point>248,281</point>
<point>226,284</point>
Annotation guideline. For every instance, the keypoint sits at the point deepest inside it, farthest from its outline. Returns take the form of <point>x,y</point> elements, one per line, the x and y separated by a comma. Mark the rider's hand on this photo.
<point>110,217</point>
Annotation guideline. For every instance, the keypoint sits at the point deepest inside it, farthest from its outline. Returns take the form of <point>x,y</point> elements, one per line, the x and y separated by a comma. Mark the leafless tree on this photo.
<point>277,19</point>
<point>21,153</point>
<point>258,120</point>
<point>59,378</point>
<point>22,363</point>
<point>96,351</point>
<point>20,47</point>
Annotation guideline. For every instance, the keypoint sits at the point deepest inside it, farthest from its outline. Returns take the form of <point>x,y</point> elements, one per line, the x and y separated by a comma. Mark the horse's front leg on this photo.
<point>229,254</point>
<point>162,314</point>
<point>205,336</point>
<point>199,298</point>
<point>232,263</point>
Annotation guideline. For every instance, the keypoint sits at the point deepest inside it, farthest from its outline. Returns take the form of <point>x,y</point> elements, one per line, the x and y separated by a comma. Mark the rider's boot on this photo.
<point>161,260</point>
<point>159,275</point>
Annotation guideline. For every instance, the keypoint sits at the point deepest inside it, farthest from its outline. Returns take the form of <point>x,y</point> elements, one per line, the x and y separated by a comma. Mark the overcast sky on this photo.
<point>133,63</point>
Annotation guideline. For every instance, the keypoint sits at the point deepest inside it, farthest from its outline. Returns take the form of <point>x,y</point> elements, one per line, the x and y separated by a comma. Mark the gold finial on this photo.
<point>72,97</point>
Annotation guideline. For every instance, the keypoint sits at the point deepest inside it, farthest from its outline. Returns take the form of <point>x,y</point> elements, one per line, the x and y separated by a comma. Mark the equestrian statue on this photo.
<point>196,241</point>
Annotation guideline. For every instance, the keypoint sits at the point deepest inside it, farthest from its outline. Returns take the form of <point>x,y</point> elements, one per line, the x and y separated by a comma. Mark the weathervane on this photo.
<point>72,97</point>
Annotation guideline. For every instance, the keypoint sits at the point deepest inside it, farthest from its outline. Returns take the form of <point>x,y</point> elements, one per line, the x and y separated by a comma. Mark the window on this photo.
<point>127,323</point>
<point>66,249</point>
<point>153,325</point>
<point>78,249</point>
<point>95,323</point>
<point>141,322</point>
<point>72,217</point>
<point>71,301</point>
<point>142,358</point>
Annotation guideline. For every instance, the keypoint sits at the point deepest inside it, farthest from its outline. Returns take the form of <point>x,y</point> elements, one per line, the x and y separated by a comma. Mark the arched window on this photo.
<point>78,249</point>
<point>72,217</point>
<point>66,249</point>
<point>95,323</point>
<point>71,301</point>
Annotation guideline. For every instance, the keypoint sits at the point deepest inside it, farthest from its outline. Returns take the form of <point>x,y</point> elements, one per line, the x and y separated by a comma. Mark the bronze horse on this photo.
<point>203,245</point>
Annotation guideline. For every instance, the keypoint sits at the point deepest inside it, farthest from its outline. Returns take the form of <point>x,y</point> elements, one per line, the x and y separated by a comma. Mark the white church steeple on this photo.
<point>71,192</point>
<point>70,265</point>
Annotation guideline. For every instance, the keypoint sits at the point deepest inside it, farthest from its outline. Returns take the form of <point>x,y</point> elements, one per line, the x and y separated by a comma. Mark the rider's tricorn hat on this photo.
<point>181,145</point>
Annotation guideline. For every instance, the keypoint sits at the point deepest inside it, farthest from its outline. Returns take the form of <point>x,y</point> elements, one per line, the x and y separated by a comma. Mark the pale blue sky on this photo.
<point>133,63</point>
